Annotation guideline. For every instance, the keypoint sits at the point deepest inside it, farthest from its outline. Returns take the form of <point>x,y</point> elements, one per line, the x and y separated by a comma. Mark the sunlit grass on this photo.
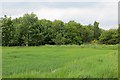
<point>93,61</point>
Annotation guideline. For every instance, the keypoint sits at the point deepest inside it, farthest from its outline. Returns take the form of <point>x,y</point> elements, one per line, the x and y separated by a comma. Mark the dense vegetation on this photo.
<point>65,61</point>
<point>31,31</point>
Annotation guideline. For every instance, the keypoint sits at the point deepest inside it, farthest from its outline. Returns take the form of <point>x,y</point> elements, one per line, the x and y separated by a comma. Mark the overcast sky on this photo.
<point>106,13</point>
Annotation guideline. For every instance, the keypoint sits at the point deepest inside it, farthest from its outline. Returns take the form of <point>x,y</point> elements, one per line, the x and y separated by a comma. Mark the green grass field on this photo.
<point>86,61</point>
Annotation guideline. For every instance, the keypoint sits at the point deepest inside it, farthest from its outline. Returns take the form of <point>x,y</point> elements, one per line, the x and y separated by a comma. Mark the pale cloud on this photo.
<point>105,12</point>
<point>107,15</point>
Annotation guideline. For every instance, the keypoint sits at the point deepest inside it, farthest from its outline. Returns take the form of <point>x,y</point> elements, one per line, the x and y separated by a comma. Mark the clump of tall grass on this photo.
<point>100,46</point>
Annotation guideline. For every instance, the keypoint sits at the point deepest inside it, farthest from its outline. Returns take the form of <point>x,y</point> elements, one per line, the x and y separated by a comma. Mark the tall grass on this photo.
<point>70,61</point>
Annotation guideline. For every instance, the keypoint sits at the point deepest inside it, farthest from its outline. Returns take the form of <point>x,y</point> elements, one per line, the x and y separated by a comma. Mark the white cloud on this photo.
<point>105,13</point>
<point>107,16</point>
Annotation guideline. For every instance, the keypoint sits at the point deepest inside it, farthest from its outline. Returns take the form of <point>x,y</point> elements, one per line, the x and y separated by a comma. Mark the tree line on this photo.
<point>28,30</point>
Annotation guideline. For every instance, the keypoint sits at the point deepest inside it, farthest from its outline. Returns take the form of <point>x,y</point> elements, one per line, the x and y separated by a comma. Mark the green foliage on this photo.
<point>7,31</point>
<point>119,33</point>
<point>88,34</point>
<point>96,30</point>
<point>73,33</point>
<point>94,42</point>
<point>109,37</point>
<point>28,26</point>
<point>30,31</point>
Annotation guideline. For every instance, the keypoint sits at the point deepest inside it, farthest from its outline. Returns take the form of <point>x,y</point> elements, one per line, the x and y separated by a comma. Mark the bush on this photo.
<point>94,42</point>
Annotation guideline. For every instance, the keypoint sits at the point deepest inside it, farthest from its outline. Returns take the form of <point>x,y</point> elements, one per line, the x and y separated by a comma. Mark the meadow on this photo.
<point>69,61</point>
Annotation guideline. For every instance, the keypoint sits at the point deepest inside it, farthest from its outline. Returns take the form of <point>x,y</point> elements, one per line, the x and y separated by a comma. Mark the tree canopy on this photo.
<point>31,31</point>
